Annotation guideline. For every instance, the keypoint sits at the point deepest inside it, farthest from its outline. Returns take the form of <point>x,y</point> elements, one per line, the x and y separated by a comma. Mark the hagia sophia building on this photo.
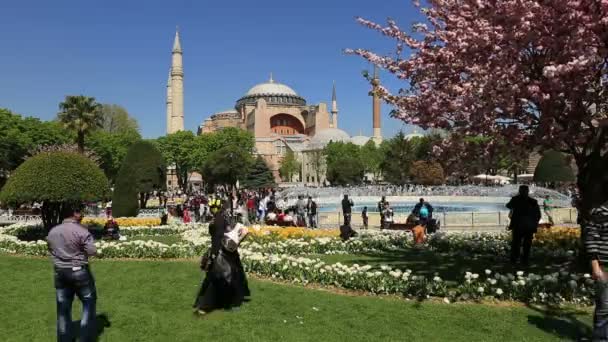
<point>279,118</point>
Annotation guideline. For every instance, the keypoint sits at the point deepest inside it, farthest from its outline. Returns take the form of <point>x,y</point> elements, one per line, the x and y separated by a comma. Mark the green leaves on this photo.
<point>344,163</point>
<point>55,177</point>
<point>553,167</point>
<point>289,166</point>
<point>259,175</point>
<point>82,115</point>
<point>142,171</point>
<point>227,165</point>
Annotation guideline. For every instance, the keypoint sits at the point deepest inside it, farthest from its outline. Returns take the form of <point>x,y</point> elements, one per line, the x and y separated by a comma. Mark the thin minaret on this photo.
<point>177,87</point>
<point>169,104</point>
<point>376,107</point>
<point>334,108</point>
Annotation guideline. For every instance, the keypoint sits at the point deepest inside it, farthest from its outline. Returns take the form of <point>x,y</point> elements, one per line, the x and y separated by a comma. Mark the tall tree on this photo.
<point>529,72</point>
<point>553,167</point>
<point>344,163</point>
<point>289,166</point>
<point>22,136</point>
<point>227,165</point>
<point>399,155</point>
<point>82,115</point>
<point>259,175</point>
<point>372,156</point>
<point>111,148</point>
<point>179,150</point>
<point>142,172</point>
<point>116,119</point>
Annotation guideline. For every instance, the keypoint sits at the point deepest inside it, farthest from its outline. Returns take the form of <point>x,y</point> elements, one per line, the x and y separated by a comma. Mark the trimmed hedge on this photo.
<point>56,179</point>
<point>142,171</point>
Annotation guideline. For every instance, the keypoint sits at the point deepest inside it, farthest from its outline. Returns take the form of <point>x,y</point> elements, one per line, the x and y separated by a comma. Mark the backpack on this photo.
<point>424,212</point>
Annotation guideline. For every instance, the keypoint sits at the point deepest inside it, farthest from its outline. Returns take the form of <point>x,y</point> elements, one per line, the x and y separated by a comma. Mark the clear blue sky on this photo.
<point>119,52</point>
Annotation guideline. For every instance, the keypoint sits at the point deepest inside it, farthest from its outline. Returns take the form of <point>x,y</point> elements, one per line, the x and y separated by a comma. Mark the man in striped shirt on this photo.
<point>596,242</point>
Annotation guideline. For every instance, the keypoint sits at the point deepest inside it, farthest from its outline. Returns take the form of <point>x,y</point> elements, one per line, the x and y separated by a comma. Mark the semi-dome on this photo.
<point>273,93</point>
<point>360,140</point>
<point>325,136</point>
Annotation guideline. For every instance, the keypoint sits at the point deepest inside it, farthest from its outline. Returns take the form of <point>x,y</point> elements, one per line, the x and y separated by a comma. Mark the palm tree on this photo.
<point>82,115</point>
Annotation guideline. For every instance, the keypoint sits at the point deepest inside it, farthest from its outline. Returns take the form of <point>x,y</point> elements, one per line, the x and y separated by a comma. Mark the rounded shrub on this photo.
<point>553,167</point>
<point>56,179</point>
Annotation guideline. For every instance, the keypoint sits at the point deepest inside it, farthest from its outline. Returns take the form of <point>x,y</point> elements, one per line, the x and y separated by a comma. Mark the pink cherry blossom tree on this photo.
<point>531,72</point>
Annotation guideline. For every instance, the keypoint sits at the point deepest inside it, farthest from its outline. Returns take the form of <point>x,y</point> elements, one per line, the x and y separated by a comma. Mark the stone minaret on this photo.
<point>177,88</point>
<point>377,138</point>
<point>169,104</point>
<point>334,108</point>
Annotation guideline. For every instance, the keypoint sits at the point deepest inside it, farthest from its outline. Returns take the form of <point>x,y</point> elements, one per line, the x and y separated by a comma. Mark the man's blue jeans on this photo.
<point>68,283</point>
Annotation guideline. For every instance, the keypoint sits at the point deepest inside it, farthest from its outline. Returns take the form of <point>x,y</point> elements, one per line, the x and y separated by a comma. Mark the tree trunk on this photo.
<point>51,214</point>
<point>592,182</point>
<point>80,142</point>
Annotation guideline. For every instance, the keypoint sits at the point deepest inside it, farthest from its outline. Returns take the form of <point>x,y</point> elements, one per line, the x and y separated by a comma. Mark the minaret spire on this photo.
<point>177,47</point>
<point>334,107</point>
<point>169,104</point>
<point>376,108</point>
<point>271,80</point>
<point>177,87</point>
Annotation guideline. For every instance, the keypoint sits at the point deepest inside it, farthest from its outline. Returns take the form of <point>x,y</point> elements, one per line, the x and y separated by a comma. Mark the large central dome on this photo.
<point>274,93</point>
<point>271,88</point>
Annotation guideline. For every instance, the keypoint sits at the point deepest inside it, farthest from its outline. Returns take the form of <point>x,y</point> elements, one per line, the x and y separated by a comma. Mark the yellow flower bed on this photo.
<point>294,232</point>
<point>125,221</point>
<point>564,237</point>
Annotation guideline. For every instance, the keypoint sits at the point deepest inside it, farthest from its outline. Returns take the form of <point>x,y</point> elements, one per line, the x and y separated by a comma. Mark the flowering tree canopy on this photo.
<point>531,72</point>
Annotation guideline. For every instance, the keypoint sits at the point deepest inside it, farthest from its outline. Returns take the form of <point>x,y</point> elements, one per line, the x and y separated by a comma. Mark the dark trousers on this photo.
<point>347,219</point>
<point>600,316</point>
<point>68,283</point>
<point>312,220</point>
<point>520,238</point>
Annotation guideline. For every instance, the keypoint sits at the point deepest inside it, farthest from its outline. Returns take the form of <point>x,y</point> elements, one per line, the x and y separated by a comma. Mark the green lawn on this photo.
<point>449,266</point>
<point>150,301</point>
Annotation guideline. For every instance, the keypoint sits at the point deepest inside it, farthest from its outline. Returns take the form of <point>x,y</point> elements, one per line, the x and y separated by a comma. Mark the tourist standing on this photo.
<point>262,208</point>
<point>347,209</point>
<point>381,206</point>
<point>365,218</point>
<point>311,207</point>
<point>547,207</point>
<point>524,223</point>
<point>71,245</point>
<point>225,285</point>
<point>301,212</point>
<point>596,241</point>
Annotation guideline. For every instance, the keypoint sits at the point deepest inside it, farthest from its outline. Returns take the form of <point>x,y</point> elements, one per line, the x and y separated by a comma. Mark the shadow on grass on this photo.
<point>102,322</point>
<point>561,322</point>
<point>450,266</point>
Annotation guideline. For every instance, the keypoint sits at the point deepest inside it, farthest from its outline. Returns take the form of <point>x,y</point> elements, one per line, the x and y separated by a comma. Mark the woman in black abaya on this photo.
<point>225,285</point>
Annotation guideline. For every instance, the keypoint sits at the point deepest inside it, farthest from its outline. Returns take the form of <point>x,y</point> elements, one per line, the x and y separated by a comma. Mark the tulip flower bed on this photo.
<point>124,221</point>
<point>287,257</point>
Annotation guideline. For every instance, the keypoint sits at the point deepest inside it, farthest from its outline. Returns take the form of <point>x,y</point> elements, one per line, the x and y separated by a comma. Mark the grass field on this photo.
<point>150,301</point>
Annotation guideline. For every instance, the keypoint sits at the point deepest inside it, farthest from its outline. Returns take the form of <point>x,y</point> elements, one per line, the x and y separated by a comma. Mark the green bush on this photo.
<point>427,173</point>
<point>553,167</point>
<point>142,171</point>
<point>57,180</point>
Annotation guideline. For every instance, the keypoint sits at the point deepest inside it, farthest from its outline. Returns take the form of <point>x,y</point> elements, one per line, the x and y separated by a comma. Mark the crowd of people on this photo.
<point>264,206</point>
